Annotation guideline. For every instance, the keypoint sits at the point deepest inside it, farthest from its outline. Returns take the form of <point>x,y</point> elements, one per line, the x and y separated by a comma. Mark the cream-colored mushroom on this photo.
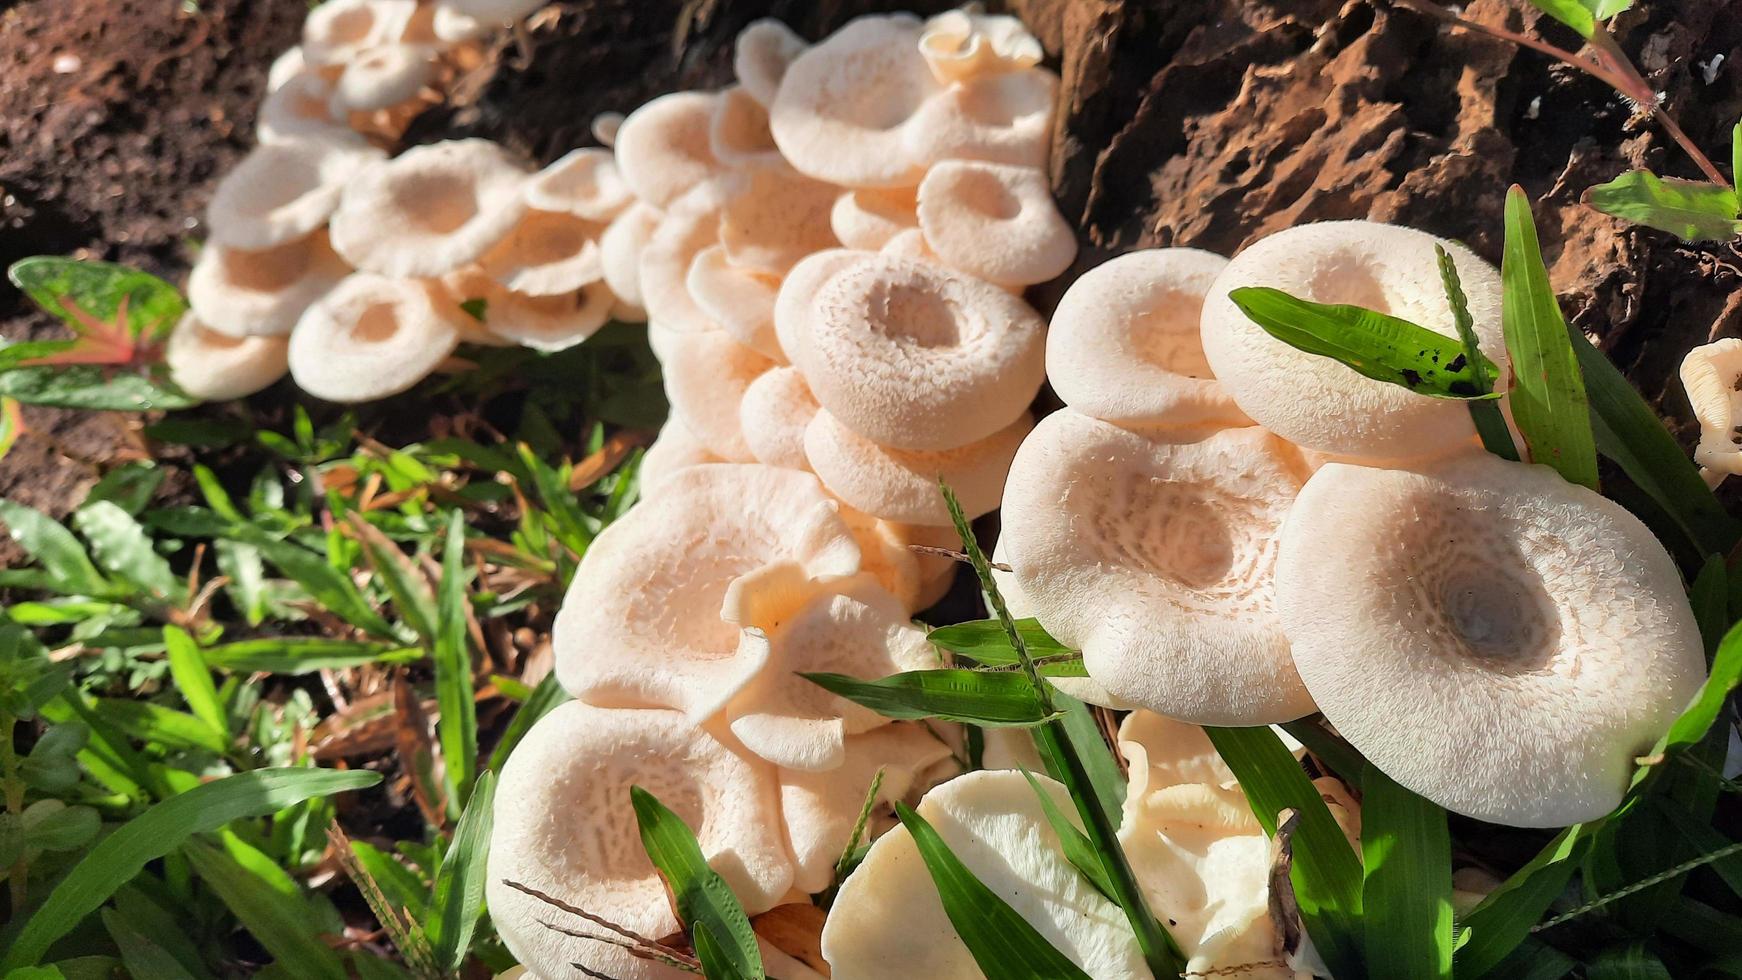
<point>284,191</point>
<point>430,210</point>
<point>339,31</point>
<point>962,44</point>
<point>620,247</point>
<point>548,253</point>
<point>902,484</point>
<point>740,301</point>
<point>691,224</point>
<point>583,760</point>
<point>706,376</point>
<point>543,322</point>
<point>761,55</point>
<point>797,296</point>
<point>584,183</point>
<point>1533,633</point>
<point>1154,554</point>
<point>1124,343</point>
<point>1709,375</point>
<point>244,293</point>
<point>1002,118</point>
<point>381,78</point>
<point>368,338</point>
<point>771,220</point>
<point>1016,601</point>
<point>300,110</point>
<point>773,414</point>
<point>497,11</point>
<point>1315,401</point>
<point>675,449</point>
<point>738,133</point>
<point>995,221</point>
<point>604,127</point>
<point>217,366</point>
<point>452,25</point>
<point>916,579</point>
<point>662,147</point>
<point>868,218</point>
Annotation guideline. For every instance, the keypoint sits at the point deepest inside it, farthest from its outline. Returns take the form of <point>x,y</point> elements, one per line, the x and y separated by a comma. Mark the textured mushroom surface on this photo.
<point>676,448</point>
<point>771,220</point>
<point>369,338</point>
<point>962,44</point>
<point>431,209</point>
<point>383,77</point>
<point>690,225</point>
<point>706,378</point>
<point>1315,401</point>
<point>1154,554</point>
<point>902,484</point>
<point>215,366</point>
<point>868,218</point>
<point>773,414</point>
<point>1001,118</point>
<point>547,253</point>
<point>1492,637</point>
<point>262,293</point>
<point>738,133</point>
<point>995,221</point>
<point>739,301</point>
<point>662,147</point>
<point>284,191</point>
<point>761,55</point>
<point>1709,374</point>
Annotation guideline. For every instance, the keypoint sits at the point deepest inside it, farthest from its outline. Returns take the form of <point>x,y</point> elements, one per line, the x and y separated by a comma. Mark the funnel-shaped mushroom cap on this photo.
<point>584,183</point>
<point>546,254</point>
<point>262,293</point>
<point>620,250</point>
<point>564,825</point>
<point>1315,401</point>
<point>772,219</point>
<point>798,292</point>
<point>868,218</point>
<point>301,110</point>
<point>216,366</point>
<point>740,301</point>
<point>1003,118</point>
<point>642,622</point>
<point>822,807</point>
<point>1082,688</point>
<point>498,11</point>
<point>676,449</point>
<point>915,355</point>
<point>844,105</point>
<point>902,484</point>
<point>995,221</point>
<point>383,77</point>
<point>691,224</point>
<point>1154,554</point>
<point>1709,375</point>
<point>283,191</point>
<point>451,25</point>
<point>547,323</point>
<point>706,376</point>
<point>368,338</point>
<point>339,31</point>
<point>662,147</point>
<point>430,210</point>
<point>887,922</point>
<point>1124,344</point>
<point>773,413</point>
<point>738,133</point>
<point>761,56</point>
<point>963,44</point>
<point>1533,634</point>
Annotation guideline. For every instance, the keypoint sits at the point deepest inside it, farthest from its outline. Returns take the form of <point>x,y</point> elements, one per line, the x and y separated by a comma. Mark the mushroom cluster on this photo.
<point>1235,532</point>
<point>360,274</point>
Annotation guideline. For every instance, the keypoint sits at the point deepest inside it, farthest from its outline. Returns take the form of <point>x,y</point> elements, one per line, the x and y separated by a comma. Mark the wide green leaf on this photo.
<point>1077,847</point>
<point>98,289</point>
<point>992,700</point>
<point>54,547</point>
<point>284,923</point>
<point>1582,16</point>
<point>304,654</point>
<point>188,669</point>
<point>1692,210</point>
<point>459,885</point>
<point>704,901</point>
<point>92,389</point>
<point>1406,898</point>
<point>457,726</point>
<point>125,551</point>
<point>118,857</point>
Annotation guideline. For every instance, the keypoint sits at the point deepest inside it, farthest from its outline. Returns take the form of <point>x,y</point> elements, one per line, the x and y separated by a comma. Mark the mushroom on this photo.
<point>643,622</point>
<point>451,25</point>
<point>340,31</point>
<point>584,183</point>
<point>497,11</point>
<point>691,224</point>
<point>1153,553</point>
<point>381,78</point>
<point>676,448</point>
<point>300,110</point>
<point>1002,118</point>
<point>582,760</point>
<point>887,922</point>
<point>914,355</point>
<point>1533,633</point>
<point>738,133</point>
<point>902,484</point>
<point>761,55</point>
<point>740,301</point>
<point>284,191</point>
<point>706,376</point>
<point>962,44</point>
<point>1124,344</point>
<point>244,293</point>
<point>430,210</point>
<point>604,127</point>
<point>368,338</point>
<point>771,220</point>
<point>662,147</point>
<point>995,221</point>
<point>1010,590</point>
<point>869,217</point>
<point>916,580</point>
<point>797,295</point>
<point>551,322</point>
<point>1709,375</point>
<point>620,247</point>
<point>547,253</point>
<point>773,413</point>
<point>217,366</point>
<point>1314,401</point>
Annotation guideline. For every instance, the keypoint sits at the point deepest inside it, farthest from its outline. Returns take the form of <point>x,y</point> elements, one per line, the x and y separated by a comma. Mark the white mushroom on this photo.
<point>300,109</point>
<point>662,147</point>
<point>245,293</point>
<point>676,448</point>
<point>691,224</point>
<point>1709,375</point>
<point>430,210</point>
<point>497,11</point>
<point>963,44</point>
<point>1499,640</point>
<point>283,191</point>
<point>773,414</point>
<point>584,183</point>
<point>1002,118</point>
<point>547,253</point>
<point>738,133</point>
<point>740,301</point>
<point>868,218</point>
<point>339,31</point>
<point>761,55</point>
<point>381,78</point>
<point>798,292</point>
<point>216,366</point>
<point>706,376</point>
<point>771,220</point>
<point>995,221</point>
<point>620,247</point>
<point>543,322</point>
<point>902,484</point>
<point>368,338</point>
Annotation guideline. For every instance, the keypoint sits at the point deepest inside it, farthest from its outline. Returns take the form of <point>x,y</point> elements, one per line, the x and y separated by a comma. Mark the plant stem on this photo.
<point>13,787</point>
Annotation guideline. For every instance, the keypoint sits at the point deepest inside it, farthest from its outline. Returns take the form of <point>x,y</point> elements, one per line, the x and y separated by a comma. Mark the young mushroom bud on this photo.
<point>995,221</point>
<point>962,44</point>
<point>369,338</point>
<point>902,484</point>
<point>662,148</point>
<point>245,294</point>
<point>284,191</point>
<point>1709,375</point>
<point>217,366</point>
<point>1499,640</point>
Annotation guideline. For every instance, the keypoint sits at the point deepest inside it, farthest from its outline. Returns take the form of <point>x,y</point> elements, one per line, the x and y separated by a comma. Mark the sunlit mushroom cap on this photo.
<point>662,148</point>
<point>675,449</point>
<point>902,484</point>
<point>706,376</point>
<point>738,133</point>
<point>1002,118</point>
<point>772,219</point>
<point>914,355</point>
<point>1709,375</point>
<point>1154,553</point>
<point>547,253</point>
<point>451,25</point>
<point>584,183</point>
<point>620,248</point>
<point>368,338</point>
<point>497,11</point>
<point>285,67</point>
<point>739,301</point>
<point>643,621</point>
<point>887,922</point>
<point>339,31</point>
<point>216,366</point>
<point>1533,633</point>
<point>886,547</point>
<point>1010,590</point>
<point>284,191</point>
<point>245,293</point>
<point>761,55</point>
<point>1315,401</point>
<point>430,210</point>
<point>995,221</point>
<point>691,224</point>
<point>564,825</point>
<point>794,304</point>
<point>300,109</point>
<point>383,77</point>
<point>868,218</point>
<point>773,414</point>
<point>1124,344</point>
<point>964,44</point>
<point>543,322</point>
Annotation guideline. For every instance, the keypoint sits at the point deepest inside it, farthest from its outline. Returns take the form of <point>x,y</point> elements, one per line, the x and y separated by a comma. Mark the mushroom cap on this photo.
<point>738,133</point>
<point>584,183</point>
<point>761,55</point>
<point>797,296</point>
<point>772,219</point>
<point>285,67</point>
<point>869,217</point>
<point>691,224</point>
<point>383,77</point>
<point>262,293</point>
<point>451,25</point>
<point>643,621</point>
<point>662,148</point>
<point>886,554</point>
<point>1010,590</point>
<point>1709,374</point>
<point>1124,344</point>
<point>497,11</point>
<point>995,221</point>
<point>902,484</point>
<point>1154,553</point>
<point>706,376</point>
<point>430,210</point>
<point>548,323</point>
<point>1314,401</point>
<point>217,366</point>
<point>963,44</point>
<point>604,127</point>
<point>620,247</point>
<point>338,31</point>
<point>284,191</point>
<point>915,355</point>
<point>368,338</point>
<point>740,301</point>
<point>676,448</point>
<point>844,105</point>
<point>546,254</point>
<point>1499,640</point>
<point>579,759</point>
<point>773,414</point>
<point>1002,118</point>
<point>300,110</point>
<point>887,922</point>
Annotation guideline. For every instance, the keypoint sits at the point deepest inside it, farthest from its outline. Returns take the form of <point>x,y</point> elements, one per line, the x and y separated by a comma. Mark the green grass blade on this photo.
<point>54,547</point>
<point>304,655</point>
<point>188,669</point>
<point>282,922</point>
<point>117,858</point>
<point>124,549</point>
<point>1635,962</point>
<point>1548,393</point>
<point>457,728</point>
<point>332,589</point>
<point>1503,920</point>
<point>1077,848</point>
<point>1576,14</point>
<point>155,724</point>
<point>1692,210</point>
<point>459,886</point>
<point>142,956</point>
<point>853,851</point>
<point>547,695</point>
<point>1003,943</point>
<point>1406,898</point>
<point>984,640</point>
<point>405,583</point>
<point>147,918</point>
<point>993,700</point>
<point>1083,734</point>
<point>1485,413</point>
<point>703,899</point>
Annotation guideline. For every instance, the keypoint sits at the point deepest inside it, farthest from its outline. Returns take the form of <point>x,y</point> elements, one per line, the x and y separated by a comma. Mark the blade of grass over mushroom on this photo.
<point>1548,394</point>
<point>1485,413</point>
<point>854,850</point>
<point>1503,920</point>
<point>1326,873</point>
<point>703,899</point>
<point>984,640</point>
<point>1406,898</point>
<point>1003,943</point>
<point>458,897</point>
<point>457,727</point>
<point>995,700</point>
<point>1692,210</point>
<point>1330,750</point>
<point>1077,848</point>
<point>547,695</point>
<point>1379,346</point>
<point>1083,734</point>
